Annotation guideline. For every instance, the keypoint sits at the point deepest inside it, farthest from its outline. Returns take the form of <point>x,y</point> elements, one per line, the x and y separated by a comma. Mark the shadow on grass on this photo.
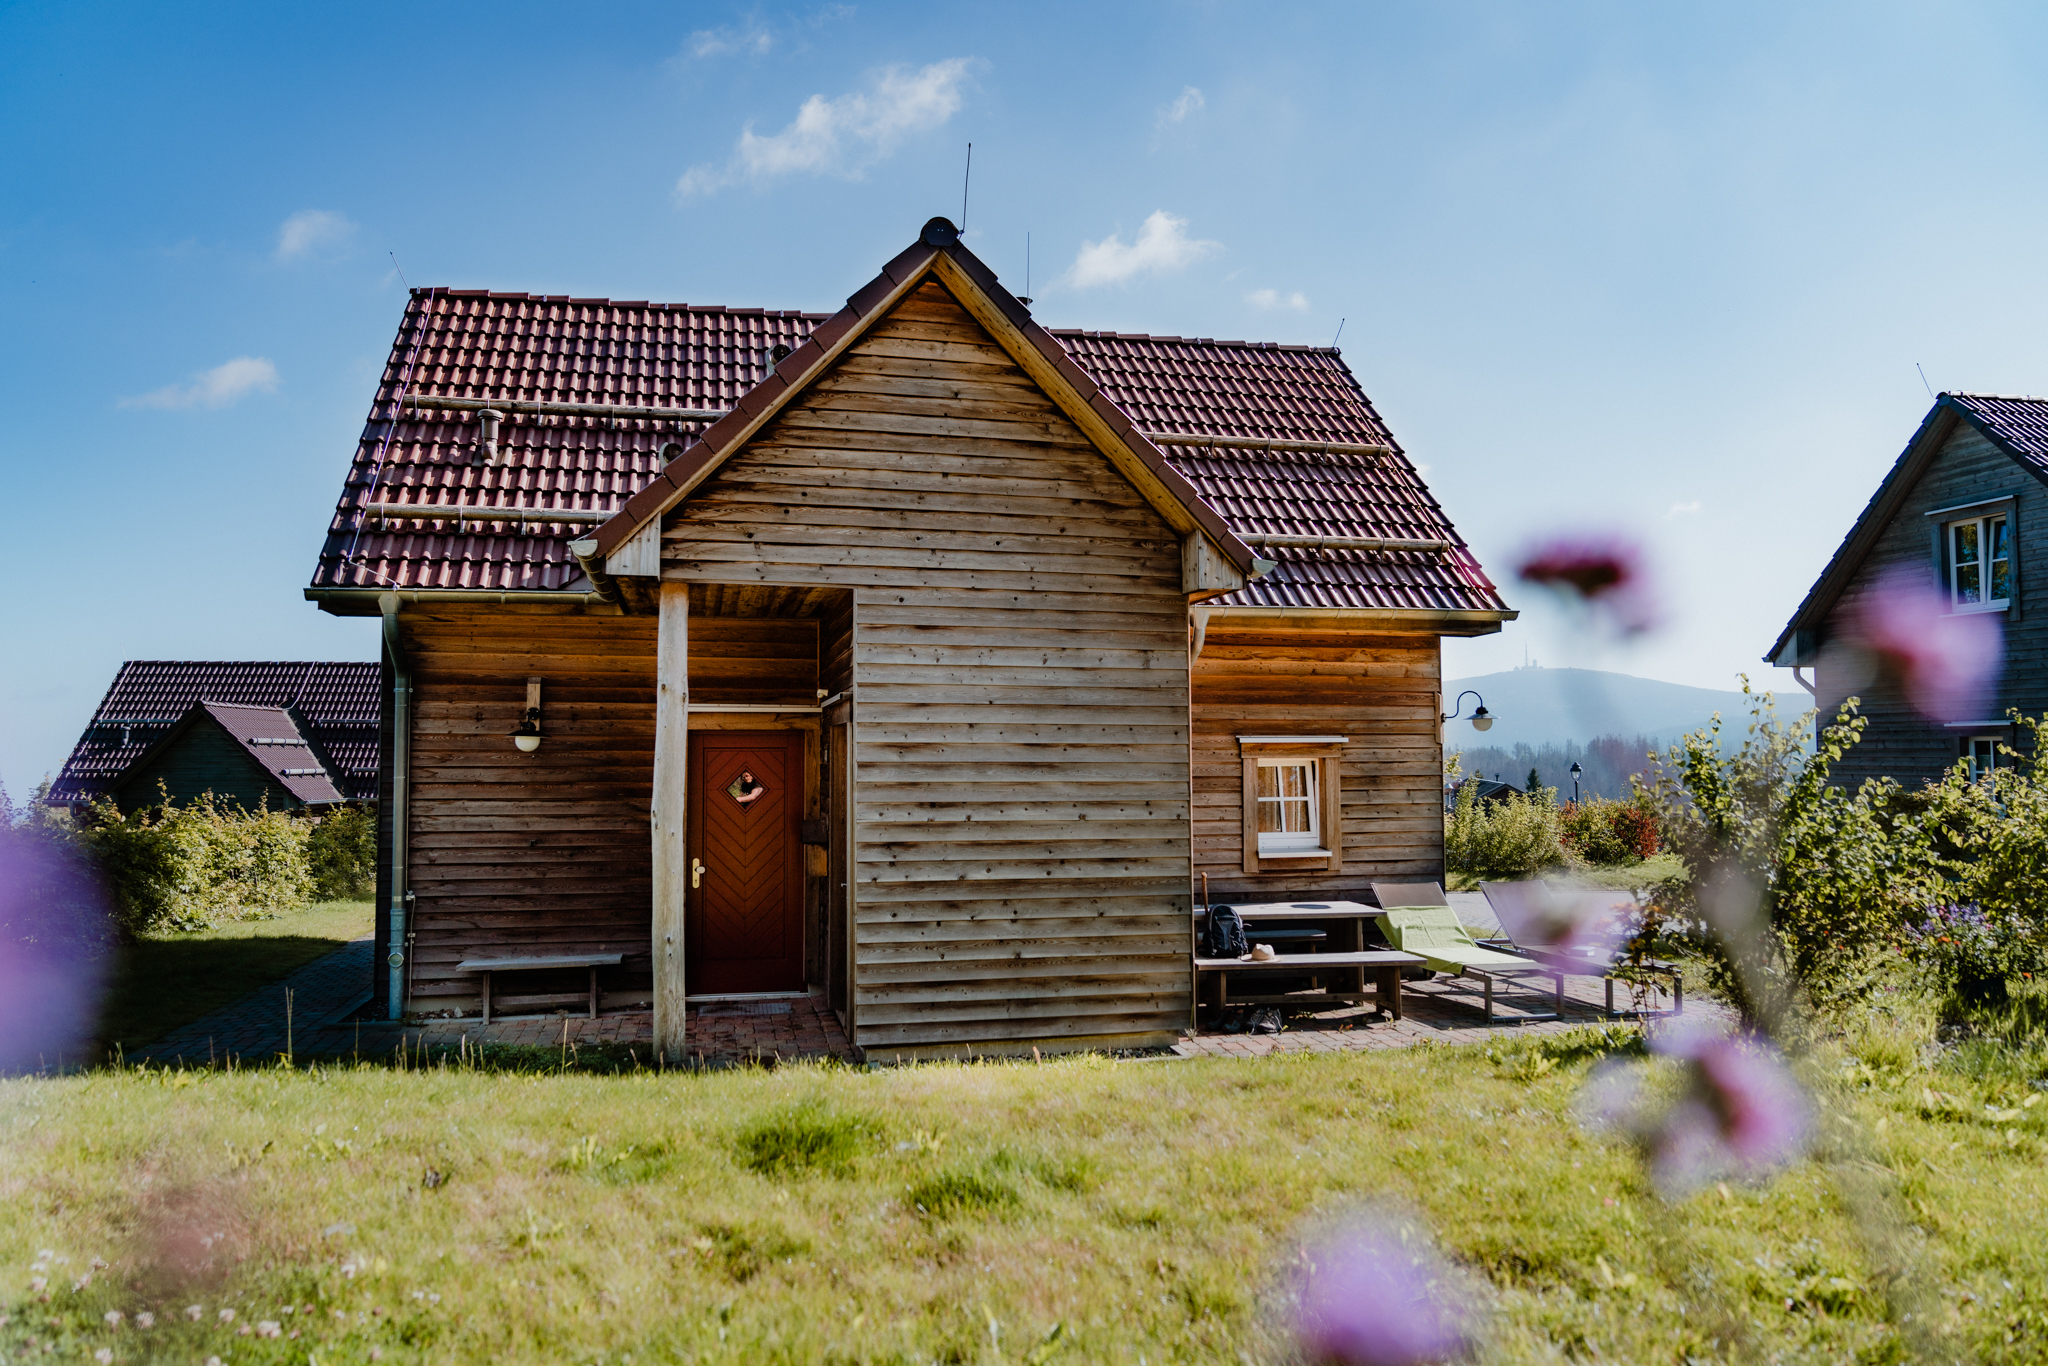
<point>163,984</point>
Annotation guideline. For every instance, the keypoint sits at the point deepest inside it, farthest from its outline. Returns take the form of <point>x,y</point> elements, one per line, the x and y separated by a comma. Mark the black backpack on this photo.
<point>1225,935</point>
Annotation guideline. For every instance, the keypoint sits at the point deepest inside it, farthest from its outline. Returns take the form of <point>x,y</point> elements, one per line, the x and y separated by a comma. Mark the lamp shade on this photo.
<point>527,743</point>
<point>1482,719</point>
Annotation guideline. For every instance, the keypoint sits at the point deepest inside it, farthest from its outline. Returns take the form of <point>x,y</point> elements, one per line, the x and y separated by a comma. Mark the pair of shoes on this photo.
<point>1265,1021</point>
<point>1233,1022</point>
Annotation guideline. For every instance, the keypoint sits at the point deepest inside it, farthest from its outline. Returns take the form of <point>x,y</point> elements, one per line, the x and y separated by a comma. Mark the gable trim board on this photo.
<point>1798,645</point>
<point>938,255</point>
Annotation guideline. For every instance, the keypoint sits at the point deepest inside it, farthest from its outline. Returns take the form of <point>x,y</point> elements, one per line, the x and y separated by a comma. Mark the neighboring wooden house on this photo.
<point>916,655</point>
<point>294,734</point>
<point>1963,508</point>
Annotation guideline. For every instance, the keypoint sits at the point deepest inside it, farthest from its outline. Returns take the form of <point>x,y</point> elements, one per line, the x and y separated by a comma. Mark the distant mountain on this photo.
<point>1536,706</point>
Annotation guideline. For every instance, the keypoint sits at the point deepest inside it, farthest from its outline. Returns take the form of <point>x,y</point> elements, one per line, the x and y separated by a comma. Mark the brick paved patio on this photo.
<point>766,1032</point>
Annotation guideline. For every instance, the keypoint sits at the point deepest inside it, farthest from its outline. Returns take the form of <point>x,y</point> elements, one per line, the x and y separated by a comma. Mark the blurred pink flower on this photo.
<point>1603,573</point>
<point>1367,1299</point>
<point>1945,662</point>
<point>1591,925</point>
<point>1742,1113</point>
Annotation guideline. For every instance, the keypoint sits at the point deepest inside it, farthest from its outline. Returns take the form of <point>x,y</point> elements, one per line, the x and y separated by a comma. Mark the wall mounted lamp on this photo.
<point>527,735</point>
<point>1481,718</point>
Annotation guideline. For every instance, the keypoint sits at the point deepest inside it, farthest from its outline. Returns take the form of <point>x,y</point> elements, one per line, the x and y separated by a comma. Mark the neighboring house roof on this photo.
<point>335,703</point>
<point>514,348</point>
<point>2018,426</point>
<point>271,739</point>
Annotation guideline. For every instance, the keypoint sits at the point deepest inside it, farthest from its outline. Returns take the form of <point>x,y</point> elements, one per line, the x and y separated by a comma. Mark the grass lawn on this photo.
<point>170,979</point>
<point>1081,1210</point>
<point>1628,878</point>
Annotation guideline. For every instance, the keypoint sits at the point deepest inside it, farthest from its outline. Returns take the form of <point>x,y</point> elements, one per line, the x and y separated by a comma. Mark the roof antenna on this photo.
<point>1923,380</point>
<point>401,273</point>
<point>1025,297</point>
<point>1340,333</point>
<point>963,188</point>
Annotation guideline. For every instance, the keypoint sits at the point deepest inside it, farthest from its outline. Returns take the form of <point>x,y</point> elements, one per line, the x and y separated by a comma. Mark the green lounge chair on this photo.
<point>1445,945</point>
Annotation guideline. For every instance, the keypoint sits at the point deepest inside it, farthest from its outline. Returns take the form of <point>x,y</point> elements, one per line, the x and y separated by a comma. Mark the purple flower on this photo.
<point>54,936</point>
<point>1602,572</point>
<point>1744,1114</point>
<point>1369,1299</point>
<point>1945,662</point>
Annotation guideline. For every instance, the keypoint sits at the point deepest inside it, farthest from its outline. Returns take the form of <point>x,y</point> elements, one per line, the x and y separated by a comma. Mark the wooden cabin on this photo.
<point>294,735</point>
<point>914,655</point>
<point>1959,510</point>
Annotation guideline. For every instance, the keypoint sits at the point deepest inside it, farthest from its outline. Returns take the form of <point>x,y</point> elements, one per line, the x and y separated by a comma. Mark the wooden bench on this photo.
<point>1383,965</point>
<point>593,961</point>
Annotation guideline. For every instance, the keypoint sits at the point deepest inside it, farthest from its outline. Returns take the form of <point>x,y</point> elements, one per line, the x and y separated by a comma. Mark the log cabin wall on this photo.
<point>1019,660</point>
<point>515,854</point>
<point>1380,692</point>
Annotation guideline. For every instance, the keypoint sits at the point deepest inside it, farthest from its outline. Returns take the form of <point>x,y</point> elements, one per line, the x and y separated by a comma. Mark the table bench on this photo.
<point>1384,966</point>
<point>593,961</point>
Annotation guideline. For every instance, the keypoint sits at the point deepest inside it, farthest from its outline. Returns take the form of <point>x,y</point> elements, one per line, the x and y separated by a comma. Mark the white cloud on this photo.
<point>312,230</point>
<point>1189,102</point>
<point>756,38</point>
<point>219,387</point>
<point>1273,298</point>
<point>1163,244</point>
<point>717,42</point>
<point>842,136</point>
<point>1685,509</point>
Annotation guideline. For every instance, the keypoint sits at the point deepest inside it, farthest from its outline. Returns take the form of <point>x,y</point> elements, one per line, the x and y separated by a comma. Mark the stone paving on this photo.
<point>254,1028</point>
<point>731,1033</point>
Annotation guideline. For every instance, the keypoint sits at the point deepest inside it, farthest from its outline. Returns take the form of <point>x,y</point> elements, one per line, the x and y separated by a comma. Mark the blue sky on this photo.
<point>1662,268</point>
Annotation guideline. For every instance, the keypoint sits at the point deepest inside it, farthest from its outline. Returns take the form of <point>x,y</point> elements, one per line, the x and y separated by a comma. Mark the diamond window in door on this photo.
<point>746,789</point>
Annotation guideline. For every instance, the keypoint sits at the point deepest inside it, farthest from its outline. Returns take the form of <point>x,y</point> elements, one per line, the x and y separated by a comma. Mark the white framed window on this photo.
<point>1289,799</point>
<point>1293,802</point>
<point>1979,554</point>
<point>1983,755</point>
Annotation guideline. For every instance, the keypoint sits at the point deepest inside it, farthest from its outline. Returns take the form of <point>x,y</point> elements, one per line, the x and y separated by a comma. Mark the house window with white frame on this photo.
<point>1982,756</point>
<point>1293,803</point>
<point>1979,551</point>
<point>1290,807</point>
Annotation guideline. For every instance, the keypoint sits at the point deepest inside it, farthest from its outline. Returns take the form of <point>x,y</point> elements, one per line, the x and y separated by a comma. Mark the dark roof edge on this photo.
<point>1303,348</point>
<point>1877,514</point>
<point>829,339</point>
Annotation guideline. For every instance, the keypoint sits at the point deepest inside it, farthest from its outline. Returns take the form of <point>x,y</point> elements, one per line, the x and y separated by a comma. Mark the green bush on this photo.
<point>1508,837</point>
<point>1804,879</point>
<point>172,866</point>
<point>342,850</point>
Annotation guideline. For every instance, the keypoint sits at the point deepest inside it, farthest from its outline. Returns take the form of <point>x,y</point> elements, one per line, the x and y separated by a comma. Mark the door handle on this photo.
<point>696,872</point>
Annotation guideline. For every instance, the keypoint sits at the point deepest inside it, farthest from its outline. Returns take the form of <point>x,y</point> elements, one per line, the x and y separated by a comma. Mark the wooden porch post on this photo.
<point>671,852</point>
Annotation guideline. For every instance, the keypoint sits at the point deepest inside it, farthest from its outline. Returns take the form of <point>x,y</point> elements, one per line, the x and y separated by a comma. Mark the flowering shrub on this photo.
<point>184,865</point>
<point>1972,953</point>
<point>1609,833</point>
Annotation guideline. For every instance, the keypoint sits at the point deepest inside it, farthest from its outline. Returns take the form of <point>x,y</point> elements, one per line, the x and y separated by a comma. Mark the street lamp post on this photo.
<point>1575,782</point>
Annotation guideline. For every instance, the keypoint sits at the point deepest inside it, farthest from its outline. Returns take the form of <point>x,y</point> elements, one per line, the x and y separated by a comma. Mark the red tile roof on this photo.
<point>336,702</point>
<point>518,347</point>
<point>1192,386</point>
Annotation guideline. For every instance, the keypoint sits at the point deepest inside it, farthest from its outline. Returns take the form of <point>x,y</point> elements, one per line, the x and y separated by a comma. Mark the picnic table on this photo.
<point>1345,927</point>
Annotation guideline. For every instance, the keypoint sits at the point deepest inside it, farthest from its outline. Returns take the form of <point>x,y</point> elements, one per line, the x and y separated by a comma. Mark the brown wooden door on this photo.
<point>745,924</point>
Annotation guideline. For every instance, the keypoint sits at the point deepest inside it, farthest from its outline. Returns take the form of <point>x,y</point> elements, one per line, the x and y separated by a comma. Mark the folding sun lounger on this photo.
<point>1445,945</point>
<point>1530,920</point>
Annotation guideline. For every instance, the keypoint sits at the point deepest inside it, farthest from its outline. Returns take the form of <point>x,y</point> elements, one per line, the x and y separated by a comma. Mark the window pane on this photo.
<point>1966,542</point>
<point>2001,560</point>
<point>1286,805</point>
<point>1967,583</point>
